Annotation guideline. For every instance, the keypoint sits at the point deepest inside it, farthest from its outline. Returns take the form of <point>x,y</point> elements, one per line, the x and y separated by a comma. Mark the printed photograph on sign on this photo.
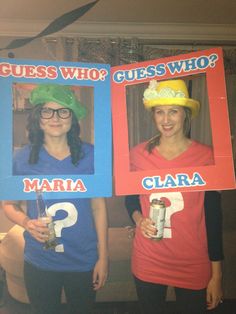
<point>44,111</point>
<point>160,100</point>
<point>22,108</point>
<point>52,129</point>
<point>140,118</point>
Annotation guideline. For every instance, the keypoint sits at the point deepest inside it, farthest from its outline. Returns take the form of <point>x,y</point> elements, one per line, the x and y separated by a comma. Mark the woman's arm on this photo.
<point>213,217</point>
<point>132,204</point>
<point>133,207</point>
<point>214,288</point>
<point>100,219</point>
<point>16,214</point>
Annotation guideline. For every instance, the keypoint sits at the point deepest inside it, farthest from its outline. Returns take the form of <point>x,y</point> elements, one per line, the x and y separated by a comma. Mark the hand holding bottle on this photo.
<point>45,223</point>
<point>38,229</point>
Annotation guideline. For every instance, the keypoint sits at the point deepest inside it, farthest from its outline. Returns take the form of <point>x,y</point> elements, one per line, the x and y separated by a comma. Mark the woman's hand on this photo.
<point>35,227</point>
<point>214,288</point>
<point>100,218</point>
<point>100,273</point>
<point>38,229</point>
<point>147,227</point>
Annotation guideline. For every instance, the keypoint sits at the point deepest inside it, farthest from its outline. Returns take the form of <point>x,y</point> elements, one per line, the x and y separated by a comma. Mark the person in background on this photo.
<point>78,263</point>
<point>180,259</point>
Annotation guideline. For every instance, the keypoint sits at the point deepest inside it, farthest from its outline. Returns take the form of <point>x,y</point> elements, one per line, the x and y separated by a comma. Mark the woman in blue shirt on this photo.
<point>78,263</point>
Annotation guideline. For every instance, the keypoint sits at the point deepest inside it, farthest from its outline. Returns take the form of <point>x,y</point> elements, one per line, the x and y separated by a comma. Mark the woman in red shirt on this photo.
<point>181,258</point>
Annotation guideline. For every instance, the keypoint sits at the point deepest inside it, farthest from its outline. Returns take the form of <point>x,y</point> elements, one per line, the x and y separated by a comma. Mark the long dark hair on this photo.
<point>36,137</point>
<point>155,140</point>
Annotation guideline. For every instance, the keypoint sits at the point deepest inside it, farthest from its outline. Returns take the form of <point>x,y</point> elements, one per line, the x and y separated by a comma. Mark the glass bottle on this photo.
<point>51,242</point>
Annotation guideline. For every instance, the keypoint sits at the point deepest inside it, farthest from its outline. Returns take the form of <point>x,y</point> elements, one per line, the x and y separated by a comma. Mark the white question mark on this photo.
<point>176,205</point>
<point>103,74</point>
<point>213,59</point>
<point>68,221</point>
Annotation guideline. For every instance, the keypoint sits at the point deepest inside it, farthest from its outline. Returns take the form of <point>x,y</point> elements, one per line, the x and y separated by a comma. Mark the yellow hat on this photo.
<point>171,92</point>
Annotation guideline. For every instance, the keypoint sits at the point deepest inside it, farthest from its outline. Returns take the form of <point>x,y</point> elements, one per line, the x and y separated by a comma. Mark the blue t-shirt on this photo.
<point>74,224</point>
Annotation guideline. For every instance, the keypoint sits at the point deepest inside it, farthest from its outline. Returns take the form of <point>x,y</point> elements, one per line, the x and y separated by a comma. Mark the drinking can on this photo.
<point>157,214</point>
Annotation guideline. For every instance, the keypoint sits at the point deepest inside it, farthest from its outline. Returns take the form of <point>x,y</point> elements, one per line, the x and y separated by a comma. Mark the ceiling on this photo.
<point>126,11</point>
<point>28,17</point>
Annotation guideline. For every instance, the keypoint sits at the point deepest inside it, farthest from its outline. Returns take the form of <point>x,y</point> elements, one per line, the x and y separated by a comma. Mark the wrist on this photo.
<point>103,257</point>
<point>216,270</point>
<point>25,222</point>
<point>103,251</point>
<point>139,221</point>
<point>217,276</point>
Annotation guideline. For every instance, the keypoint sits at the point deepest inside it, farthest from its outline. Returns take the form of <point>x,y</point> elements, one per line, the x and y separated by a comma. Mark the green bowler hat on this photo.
<point>60,94</point>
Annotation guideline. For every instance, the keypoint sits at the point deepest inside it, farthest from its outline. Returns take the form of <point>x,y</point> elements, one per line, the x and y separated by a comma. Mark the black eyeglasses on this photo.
<point>48,113</point>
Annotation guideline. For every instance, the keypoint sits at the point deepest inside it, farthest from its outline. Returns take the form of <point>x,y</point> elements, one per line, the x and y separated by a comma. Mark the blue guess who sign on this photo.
<point>91,85</point>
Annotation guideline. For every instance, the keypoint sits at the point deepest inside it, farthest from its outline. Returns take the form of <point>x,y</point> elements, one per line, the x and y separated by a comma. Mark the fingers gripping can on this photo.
<point>157,214</point>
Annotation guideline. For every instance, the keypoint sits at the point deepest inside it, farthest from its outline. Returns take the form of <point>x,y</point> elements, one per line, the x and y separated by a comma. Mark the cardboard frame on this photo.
<point>219,176</point>
<point>64,73</point>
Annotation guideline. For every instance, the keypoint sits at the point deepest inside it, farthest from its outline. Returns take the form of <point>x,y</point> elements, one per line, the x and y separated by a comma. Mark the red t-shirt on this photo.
<point>180,259</point>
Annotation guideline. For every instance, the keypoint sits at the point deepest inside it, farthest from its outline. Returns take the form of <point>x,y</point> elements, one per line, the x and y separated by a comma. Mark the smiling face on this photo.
<point>55,126</point>
<point>169,120</point>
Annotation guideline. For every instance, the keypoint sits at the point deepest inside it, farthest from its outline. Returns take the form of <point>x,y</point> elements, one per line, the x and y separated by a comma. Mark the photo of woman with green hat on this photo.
<point>179,259</point>
<point>78,262</point>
